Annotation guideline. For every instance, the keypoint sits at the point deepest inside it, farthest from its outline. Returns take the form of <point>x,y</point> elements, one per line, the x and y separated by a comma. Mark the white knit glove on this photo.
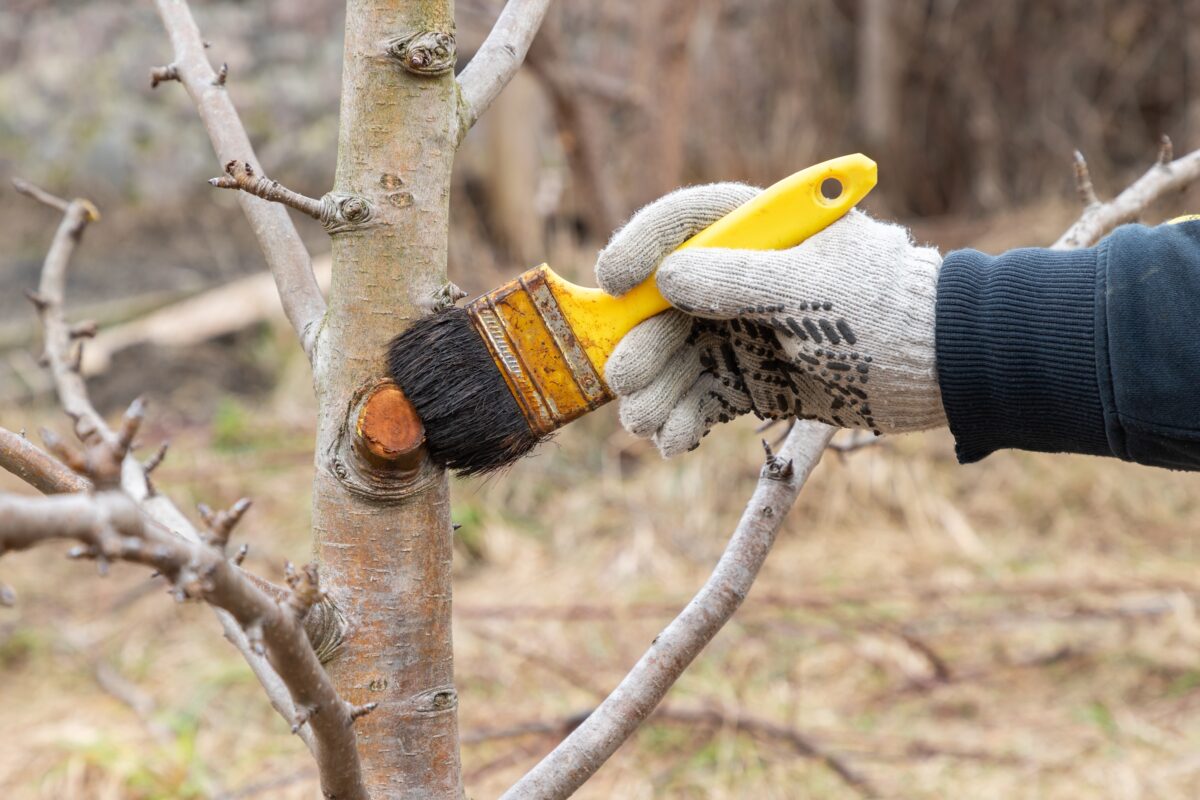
<point>838,329</point>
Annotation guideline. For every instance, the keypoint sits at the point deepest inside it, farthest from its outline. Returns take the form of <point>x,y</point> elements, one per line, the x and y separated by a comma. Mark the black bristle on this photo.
<point>472,422</point>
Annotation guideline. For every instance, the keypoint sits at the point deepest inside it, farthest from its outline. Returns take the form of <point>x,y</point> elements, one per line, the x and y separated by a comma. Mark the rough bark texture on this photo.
<point>386,534</point>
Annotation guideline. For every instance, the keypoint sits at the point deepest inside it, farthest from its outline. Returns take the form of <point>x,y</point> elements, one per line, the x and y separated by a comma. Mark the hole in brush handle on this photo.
<point>831,188</point>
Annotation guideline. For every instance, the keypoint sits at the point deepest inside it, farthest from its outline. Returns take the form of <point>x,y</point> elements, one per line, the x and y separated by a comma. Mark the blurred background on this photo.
<point>1024,627</point>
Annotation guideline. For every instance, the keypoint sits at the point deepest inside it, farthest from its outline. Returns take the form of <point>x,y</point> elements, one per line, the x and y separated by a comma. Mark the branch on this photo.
<point>583,752</point>
<point>157,534</point>
<point>110,526</point>
<point>277,237</point>
<point>240,175</point>
<point>337,212</point>
<point>31,464</point>
<point>498,58</point>
<point>1099,218</point>
<point>62,352</point>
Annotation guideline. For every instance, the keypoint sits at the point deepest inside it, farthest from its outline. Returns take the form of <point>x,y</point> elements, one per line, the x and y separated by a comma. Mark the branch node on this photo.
<point>341,212</point>
<point>776,468</point>
<point>63,452</point>
<point>222,75</point>
<point>303,715</point>
<point>254,636</point>
<point>357,712</point>
<point>158,75</point>
<point>446,296</point>
<point>40,302</point>
<point>424,53</point>
<point>240,555</point>
<point>306,588</point>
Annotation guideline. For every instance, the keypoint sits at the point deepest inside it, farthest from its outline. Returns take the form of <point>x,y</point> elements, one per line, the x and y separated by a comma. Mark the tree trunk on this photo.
<point>383,535</point>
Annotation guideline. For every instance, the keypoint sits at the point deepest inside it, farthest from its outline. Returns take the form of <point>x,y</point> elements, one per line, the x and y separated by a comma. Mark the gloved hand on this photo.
<point>838,329</point>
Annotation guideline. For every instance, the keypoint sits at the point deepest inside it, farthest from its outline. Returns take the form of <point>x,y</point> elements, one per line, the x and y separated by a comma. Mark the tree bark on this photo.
<point>386,532</point>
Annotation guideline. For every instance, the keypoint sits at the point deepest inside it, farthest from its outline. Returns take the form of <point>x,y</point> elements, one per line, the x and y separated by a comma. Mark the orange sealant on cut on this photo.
<point>389,429</point>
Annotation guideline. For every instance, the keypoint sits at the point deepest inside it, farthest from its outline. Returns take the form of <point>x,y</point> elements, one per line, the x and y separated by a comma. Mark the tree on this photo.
<point>356,655</point>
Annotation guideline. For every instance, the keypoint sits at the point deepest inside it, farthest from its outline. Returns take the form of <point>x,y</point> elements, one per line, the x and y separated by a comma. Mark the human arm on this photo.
<point>1034,349</point>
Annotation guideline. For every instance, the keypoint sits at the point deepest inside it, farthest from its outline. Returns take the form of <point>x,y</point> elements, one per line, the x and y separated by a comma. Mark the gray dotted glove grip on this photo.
<point>838,329</point>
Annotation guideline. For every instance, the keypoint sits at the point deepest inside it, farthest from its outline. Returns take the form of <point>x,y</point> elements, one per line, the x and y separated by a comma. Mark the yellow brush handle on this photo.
<point>784,215</point>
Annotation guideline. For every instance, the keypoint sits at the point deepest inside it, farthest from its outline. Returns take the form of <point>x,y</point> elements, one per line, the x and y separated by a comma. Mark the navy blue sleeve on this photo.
<point>1088,351</point>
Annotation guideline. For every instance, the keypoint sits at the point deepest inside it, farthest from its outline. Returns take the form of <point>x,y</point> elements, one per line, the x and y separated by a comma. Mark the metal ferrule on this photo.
<point>537,352</point>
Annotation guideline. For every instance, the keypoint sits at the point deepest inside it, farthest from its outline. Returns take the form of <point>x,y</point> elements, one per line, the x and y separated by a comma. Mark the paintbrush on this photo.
<point>494,378</point>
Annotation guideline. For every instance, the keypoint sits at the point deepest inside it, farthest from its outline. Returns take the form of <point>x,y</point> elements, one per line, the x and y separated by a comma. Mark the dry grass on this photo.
<point>1020,628</point>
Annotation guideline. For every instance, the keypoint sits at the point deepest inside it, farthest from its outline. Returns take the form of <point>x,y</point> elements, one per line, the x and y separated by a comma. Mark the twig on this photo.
<point>498,58</point>
<point>158,75</point>
<point>60,352</point>
<point>241,175</point>
<point>1100,218</point>
<point>286,255</point>
<point>578,757</point>
<point>41,195</point>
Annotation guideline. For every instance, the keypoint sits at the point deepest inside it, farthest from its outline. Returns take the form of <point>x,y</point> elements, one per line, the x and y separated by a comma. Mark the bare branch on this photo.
<point>48,300</point>
<point>1099,218</point>
<point>110,526</point>
<point>105,457</point>
<point>41,195</point>
<point>498,58</point>
<point>286,255</point>
<point>578,757</point>
<point>241,175</point>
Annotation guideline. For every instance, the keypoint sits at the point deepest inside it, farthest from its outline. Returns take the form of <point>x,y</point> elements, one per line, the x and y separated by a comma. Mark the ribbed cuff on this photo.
<point>1016,352</point>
